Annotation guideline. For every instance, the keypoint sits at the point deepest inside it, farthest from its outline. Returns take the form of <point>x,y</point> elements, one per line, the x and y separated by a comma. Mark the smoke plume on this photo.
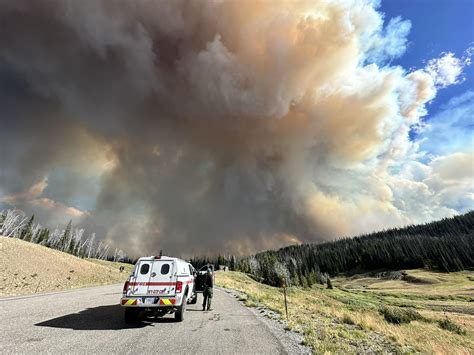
<point>217,126</point>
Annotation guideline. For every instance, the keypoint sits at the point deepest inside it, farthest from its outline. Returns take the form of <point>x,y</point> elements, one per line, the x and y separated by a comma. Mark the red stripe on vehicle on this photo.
<point>152,283</point>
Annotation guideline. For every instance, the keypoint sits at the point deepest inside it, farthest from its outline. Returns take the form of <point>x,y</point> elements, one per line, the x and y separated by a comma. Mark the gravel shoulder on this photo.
<point>291,341</point>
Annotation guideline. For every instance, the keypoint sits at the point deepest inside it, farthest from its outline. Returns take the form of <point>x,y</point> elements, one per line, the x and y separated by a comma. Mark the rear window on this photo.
<point>144,269</point>
<point>165,268</point>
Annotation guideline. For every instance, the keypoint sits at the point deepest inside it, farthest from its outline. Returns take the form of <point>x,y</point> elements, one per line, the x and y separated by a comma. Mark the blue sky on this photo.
<point>455,118</point>
<point>437,26</point>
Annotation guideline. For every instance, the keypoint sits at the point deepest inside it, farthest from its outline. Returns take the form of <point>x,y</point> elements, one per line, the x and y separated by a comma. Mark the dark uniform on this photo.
<point>208,285</point>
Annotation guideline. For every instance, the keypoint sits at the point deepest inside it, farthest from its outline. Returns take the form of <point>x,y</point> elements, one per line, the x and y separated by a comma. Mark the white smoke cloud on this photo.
<point>389,43</point>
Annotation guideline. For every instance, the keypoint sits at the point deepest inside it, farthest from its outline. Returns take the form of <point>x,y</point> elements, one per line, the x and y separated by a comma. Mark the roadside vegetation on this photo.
<point>28,268</point>
<point>405,312</point>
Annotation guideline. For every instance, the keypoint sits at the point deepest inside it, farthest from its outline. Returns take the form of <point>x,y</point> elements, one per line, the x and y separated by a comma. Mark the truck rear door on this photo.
<point>141,277</point>
<point>162,278</point>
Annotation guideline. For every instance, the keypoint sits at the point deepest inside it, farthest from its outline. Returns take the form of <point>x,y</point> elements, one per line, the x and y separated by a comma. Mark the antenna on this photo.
<point>161,253</point>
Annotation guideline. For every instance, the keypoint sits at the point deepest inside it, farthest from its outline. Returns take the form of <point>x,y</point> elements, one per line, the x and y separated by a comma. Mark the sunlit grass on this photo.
<point>349,317</point>
<point>113,264</point>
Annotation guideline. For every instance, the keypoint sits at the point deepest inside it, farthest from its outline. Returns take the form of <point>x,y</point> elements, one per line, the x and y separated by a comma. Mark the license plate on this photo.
<point>149,300</point>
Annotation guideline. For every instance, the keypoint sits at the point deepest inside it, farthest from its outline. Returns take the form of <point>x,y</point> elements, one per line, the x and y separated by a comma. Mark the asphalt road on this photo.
<point>91,321</point>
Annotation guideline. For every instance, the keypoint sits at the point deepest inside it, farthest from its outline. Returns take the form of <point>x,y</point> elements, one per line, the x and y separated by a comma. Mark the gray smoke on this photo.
<point>206,127</point>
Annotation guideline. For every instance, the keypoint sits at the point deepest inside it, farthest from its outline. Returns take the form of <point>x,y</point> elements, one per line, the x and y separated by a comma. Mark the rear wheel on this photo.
<point>179,314</point>
<point>131,315</point>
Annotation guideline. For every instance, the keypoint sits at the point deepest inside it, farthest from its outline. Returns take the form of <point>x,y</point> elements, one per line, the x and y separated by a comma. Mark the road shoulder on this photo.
<point>290,340</point>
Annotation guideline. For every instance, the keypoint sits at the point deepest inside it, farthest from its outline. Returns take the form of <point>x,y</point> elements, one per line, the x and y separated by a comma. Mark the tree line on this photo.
<point>15,224</point>
<point>445,245</point>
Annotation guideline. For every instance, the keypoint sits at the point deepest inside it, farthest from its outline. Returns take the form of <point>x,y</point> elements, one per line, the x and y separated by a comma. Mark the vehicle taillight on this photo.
<point>179,286</point>
<point>125,286</point>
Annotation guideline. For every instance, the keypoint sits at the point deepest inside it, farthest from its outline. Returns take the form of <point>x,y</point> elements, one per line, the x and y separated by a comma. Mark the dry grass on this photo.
<point>27,268</point>
<point>325,316</point>
<point>439,286</point>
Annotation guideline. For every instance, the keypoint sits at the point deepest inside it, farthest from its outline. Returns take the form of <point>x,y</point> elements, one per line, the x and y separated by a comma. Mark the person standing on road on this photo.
<point>208,285</point>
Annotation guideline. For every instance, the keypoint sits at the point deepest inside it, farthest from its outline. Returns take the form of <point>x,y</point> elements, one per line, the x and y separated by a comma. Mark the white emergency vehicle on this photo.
<point>157,286</point>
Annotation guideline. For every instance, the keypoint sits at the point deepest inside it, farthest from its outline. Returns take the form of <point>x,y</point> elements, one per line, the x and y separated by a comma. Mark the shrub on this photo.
<point>347,319</point>
<point>451,326</point>
<point>398,315</point>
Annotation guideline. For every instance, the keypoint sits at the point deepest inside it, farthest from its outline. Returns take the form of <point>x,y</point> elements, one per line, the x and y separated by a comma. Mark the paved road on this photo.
<point>91,321</point>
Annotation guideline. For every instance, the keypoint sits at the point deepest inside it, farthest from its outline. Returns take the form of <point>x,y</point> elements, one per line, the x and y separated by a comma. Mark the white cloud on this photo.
<point>443,187</point>
<point>454,167</point>
<point>447,69</point>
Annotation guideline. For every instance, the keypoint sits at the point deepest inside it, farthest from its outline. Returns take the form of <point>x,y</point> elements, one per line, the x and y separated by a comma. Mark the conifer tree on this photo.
<point>65,238</point>
<point>27,231</point>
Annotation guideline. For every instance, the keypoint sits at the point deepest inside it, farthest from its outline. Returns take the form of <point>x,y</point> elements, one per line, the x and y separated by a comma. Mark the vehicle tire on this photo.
<point>179,314</point>
<point>131,315</point>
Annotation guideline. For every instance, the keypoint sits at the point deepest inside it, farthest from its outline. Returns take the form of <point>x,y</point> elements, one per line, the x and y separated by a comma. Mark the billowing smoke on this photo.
<point>218,126</point>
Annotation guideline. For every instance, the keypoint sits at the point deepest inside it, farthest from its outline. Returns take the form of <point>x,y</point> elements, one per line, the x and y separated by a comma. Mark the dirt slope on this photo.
<point>27,268</point>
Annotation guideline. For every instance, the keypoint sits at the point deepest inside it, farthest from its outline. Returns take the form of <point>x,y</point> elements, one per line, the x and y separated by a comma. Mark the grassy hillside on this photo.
<point>434,311</point>
<point>27,268</point>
